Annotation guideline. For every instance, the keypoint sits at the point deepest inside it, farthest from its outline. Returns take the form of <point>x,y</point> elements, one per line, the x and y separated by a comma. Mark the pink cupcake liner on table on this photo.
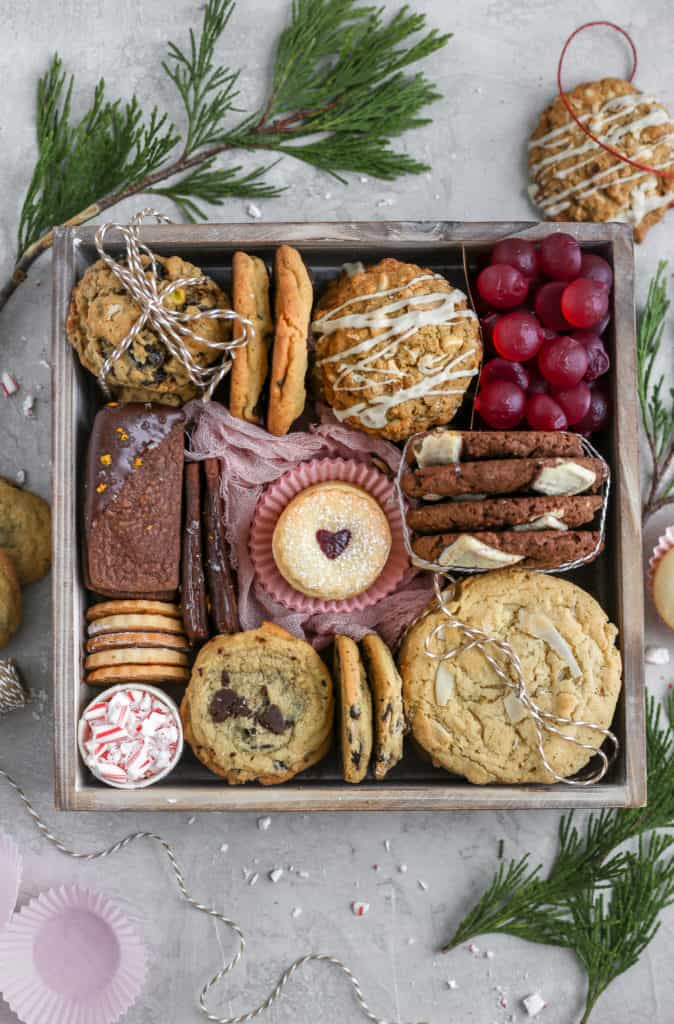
<point>11,869</point>
<point>71,956</point>
<point>279,493</point>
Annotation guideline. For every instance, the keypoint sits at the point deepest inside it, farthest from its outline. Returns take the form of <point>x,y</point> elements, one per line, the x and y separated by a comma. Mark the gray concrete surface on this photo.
<point>495,74</point>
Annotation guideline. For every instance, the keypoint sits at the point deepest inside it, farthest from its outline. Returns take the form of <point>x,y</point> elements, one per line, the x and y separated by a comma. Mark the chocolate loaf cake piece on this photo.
<point>133,501</point>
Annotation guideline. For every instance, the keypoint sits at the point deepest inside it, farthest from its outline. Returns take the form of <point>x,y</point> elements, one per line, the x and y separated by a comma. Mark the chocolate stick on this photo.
<point>220,582</point>
<point>193,603</point>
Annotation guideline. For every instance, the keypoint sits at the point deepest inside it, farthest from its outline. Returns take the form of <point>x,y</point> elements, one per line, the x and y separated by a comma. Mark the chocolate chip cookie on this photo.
<point>355,706</point>
<point>10,599</point>
<point>461,713</point>
<point>389,718</point>
<point>102,313</point>
<point>25,531</point>
<point>259,706</point>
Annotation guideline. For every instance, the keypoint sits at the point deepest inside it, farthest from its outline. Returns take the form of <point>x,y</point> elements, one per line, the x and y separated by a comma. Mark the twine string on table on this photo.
<point>510,672</point>
<point>278,989</point>
<point>12,693</point>
<point>156,313</point>
<point>658,172</point>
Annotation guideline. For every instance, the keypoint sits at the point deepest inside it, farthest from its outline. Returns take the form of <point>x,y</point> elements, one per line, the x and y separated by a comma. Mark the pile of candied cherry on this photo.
<point>544,309</point>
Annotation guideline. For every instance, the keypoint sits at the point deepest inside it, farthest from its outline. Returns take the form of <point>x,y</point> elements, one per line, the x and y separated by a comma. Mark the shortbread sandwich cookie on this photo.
<point>127,639</point>
<point>443,447</point>
<point>521,514</point>
<point>259,706</point>
<point>539,549</point>
<point>472,724</point>
<point>294,296</point>
<point>389,718</point>
<point>137,674</point>
<point>355,709</point>
<point>250,299</point>
<point>139,623</point>
<point>132,607</point>
<point>549,476</point>
<point>136,656</point>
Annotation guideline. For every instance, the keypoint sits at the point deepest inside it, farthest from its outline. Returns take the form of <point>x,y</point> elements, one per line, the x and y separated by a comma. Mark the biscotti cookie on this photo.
<point>444,447</point>
<point>133,501</point>
<point>505,476</point>
<point>294,296</point>
<point>332,541</point>
<point>536,549</point>
<point>355,710</point>
<point>250,299</point>
<point>397,348</point>
<point>572,178</point>
<point>560,513</point>
<point>259,706</point>
<point>102,313</point>
<point>461,713</point>
<point>25,531</point>
<point>389,718</point>
<point>10,599</point>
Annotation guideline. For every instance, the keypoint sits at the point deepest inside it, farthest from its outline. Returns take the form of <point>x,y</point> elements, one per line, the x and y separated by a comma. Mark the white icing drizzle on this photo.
<point>568,142</point>
<point>392,324</point>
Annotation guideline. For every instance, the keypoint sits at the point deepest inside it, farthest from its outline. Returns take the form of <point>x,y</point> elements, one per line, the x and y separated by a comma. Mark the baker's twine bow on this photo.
<point>157,313</point>
<point>12,693</point>
<point>511,676</point>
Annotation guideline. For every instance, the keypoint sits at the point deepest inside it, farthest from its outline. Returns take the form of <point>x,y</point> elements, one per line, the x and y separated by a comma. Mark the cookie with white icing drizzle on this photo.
<point>572,178</point>
<point>397,348</point>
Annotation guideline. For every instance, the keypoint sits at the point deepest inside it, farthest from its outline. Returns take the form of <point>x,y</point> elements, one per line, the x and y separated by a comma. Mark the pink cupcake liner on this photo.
<point>282,491</point>
<point>11,869</point>
<point>663,546</point>
<point>71,956</point>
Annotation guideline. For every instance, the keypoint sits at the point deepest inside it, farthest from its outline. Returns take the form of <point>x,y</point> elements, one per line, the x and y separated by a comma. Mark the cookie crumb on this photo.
<point>534,1003</point>
<point>263,824</point>
<point>359,908</point>
<point>275,874</point>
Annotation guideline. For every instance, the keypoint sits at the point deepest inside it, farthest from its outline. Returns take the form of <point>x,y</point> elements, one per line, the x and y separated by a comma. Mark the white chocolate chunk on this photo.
<point>445,684</point>
<point>351,269</point>
<point>538,625</point>
<point>564,478</point>
<point>467,552</point>
<point>514,707</point>
<point>440,449</point>
<point>548,521</point>
<point>432,497</point>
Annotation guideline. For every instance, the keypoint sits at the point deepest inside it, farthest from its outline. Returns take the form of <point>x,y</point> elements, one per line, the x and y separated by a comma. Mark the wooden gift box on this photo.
<point>615,579</point>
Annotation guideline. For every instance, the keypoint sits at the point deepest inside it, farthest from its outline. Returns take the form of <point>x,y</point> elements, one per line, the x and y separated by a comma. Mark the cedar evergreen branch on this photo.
<point>657,411</point>
<point>599,900</point>
<point>341,93</point>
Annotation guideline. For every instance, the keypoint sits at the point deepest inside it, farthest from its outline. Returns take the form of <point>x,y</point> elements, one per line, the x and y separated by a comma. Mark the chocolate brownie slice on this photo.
<point>536,549</point>
<point>133,501</point>
<point>442,447</point>
<point>491,513</point>
<point>504,476</point>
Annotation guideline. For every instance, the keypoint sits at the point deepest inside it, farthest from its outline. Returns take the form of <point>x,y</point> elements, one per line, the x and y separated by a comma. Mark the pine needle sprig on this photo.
<point>599,900</point>
<point>340,94</point>
<point>657,411</point>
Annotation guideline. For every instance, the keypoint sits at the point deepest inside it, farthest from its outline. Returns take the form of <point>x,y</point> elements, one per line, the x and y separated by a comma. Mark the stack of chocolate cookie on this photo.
<point>135,641</point>
<point>490,499</point>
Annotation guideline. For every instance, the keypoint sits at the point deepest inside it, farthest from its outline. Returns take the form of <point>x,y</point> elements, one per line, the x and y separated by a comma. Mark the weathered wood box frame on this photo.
<point>616,578</point>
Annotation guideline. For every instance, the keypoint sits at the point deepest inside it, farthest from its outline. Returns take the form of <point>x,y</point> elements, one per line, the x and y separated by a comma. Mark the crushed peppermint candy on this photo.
<point>9,384</point>
<point>534,1003</point>
<point>253,211</point>
<point>296,912</point>
<point>359,908</point>
<point>263,824</point>
<point>453,985</point>
<point>489,954</point>
<point>28,407</point>
<point>422,885</point>
<point>473,949</point>
<point>275,874</point>
<point>656,655</point>
<point>117,744</point>
<point>402,868</point>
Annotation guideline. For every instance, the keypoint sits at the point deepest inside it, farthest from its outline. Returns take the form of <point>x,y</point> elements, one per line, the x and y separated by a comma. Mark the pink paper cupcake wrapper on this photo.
<point>283,490</point>
<point>11,869</point>
<point>665,544</point>
<point>71,956</point>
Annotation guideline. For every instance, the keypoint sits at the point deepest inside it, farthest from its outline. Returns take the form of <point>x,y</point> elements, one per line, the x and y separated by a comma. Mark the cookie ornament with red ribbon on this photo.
<point>603,151</point>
